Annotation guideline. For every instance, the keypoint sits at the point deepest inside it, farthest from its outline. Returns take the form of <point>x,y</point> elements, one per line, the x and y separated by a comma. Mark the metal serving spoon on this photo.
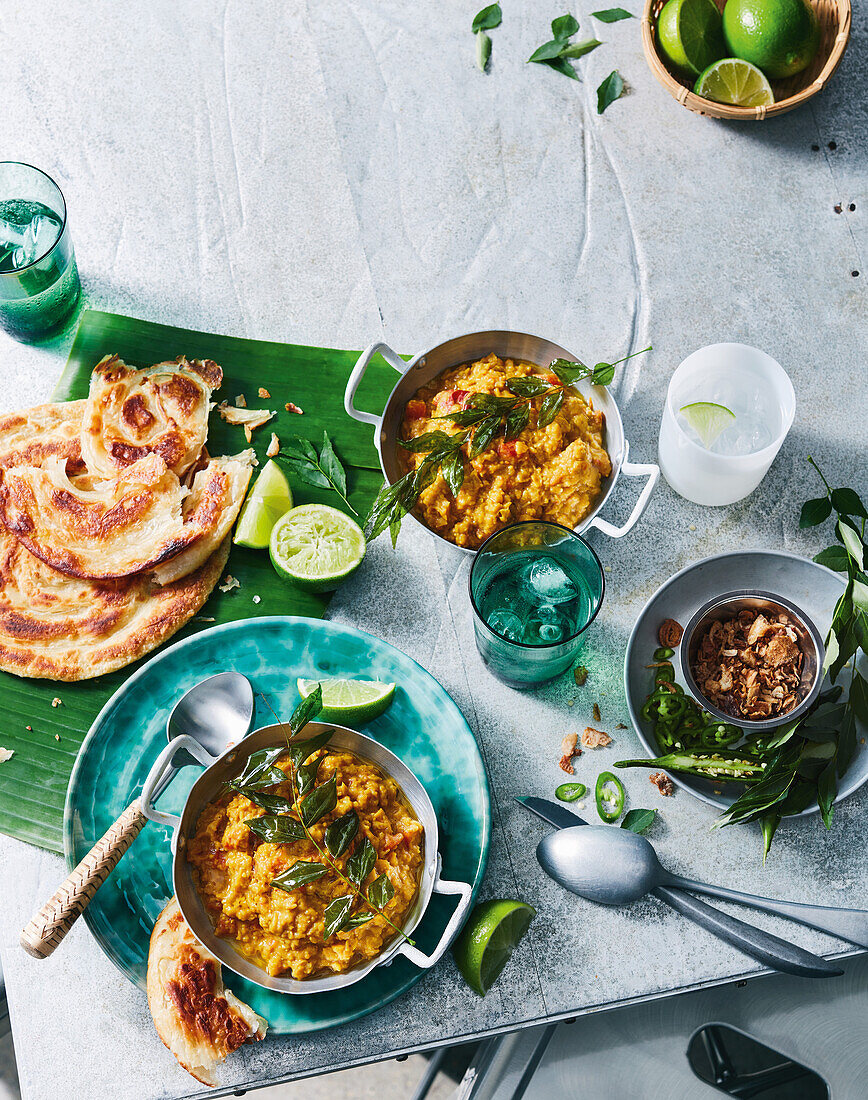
<point>217,712</point>
<point>617,867</point>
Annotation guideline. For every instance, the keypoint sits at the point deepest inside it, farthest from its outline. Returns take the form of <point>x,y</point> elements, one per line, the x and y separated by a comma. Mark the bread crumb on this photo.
<point>569,749</point>
<point>273,447</point>
<point>595,739</point>
<point>57,737</point>
<point>29,729</point>
<point>263,392</point>
<point>57,701</point>
<point>291,407</point>
<point>6,754</point>
<point>241,401</point>
<point>229,583</point>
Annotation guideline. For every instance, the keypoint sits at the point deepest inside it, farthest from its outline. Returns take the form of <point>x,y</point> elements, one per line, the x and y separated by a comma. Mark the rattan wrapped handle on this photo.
<point>49,926</point>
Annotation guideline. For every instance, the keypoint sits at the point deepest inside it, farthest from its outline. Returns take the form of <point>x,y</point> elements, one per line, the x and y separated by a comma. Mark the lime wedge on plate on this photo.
<point>708,420</point>
<point>349,701</point>
<point>690,33</point>
<point>267,500</point>
<point>493,931</point>
<point>737,82</point>
<point>316,547</point>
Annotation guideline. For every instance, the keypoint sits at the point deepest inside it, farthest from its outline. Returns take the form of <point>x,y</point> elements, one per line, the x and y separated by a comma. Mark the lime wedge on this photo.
<point>316,547</point>
<point>708,420</point>
<point>492,933</point>
<point>737,82</point>
<point>690,33</point>
<point>350,701</point>
<point>267,500</point>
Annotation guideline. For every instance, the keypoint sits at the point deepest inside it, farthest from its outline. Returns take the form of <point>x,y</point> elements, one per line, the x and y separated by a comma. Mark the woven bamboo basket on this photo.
<point>834,17</point>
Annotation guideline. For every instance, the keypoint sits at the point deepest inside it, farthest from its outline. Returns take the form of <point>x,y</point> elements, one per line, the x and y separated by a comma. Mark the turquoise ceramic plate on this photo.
<point>423,727</point>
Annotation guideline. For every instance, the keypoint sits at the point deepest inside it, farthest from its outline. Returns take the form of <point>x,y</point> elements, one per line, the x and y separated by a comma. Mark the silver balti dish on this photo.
<point>427,366</point>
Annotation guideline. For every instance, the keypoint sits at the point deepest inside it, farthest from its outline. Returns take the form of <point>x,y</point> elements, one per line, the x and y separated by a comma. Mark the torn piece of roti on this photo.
<point>135,412</point>
<point>198,1020</point>
<point>128,524</point>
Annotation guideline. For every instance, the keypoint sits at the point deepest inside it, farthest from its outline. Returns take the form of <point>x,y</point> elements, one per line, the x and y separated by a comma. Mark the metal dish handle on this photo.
<point>391,357</point>
<point>161,772</point>
<point>441,886</point>
<point>631,469</point>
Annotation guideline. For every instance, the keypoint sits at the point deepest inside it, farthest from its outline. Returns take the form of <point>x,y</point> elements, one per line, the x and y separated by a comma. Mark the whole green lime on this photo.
<point>690,34</point>
<point>781,37</point>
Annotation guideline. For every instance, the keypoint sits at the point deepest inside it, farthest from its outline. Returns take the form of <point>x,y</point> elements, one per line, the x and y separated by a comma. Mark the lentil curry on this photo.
<point>283,932</point>
<point>553,473</point>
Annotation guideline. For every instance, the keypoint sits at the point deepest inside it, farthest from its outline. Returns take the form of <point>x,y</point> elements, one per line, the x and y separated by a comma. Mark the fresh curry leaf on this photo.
<point>358,919</point>
<point>833,557</point>
<point>484,434</point>
<point>337,914</point>
<point>483,50</point>
<point>306,711</point>
<point>321,801</point>
<point>276,829</point>
<point>259,771</point>
<point>453,472</point>
<point>303,750</point>
<point>859,696</point>
<point>516,421</point>
<point>361,862</point>
<point>341,833</point>
<point>612,88</point>
<point>565,26</point>
<point>532,386</point>
<point>428,441</point>
<point>271,803</point>
<point>548,51</point>
<point>561,65</point>
<point>487,19</point>
<point>568,372</point>
<point>579,49</point>
<point>301,872</point>
<point>848,503</point>
<point>549,408</point>
<point>603,374</point>
<point>612,15</point>
<point>815,511</point>
<point>306,775</point>
<point>381,891</point>
<point>639,821</point>
<point>852,542</point>
<point>827,789</point>
<point>331,465</point>
<point>323,470</point>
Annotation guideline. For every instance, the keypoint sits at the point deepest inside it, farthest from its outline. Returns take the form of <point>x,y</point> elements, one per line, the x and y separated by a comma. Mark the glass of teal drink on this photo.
<point>39,287</point>
<point>534,588</point>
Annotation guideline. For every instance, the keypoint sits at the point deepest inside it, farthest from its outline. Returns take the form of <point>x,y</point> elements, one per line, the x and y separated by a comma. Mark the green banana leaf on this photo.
<point>46,738</point>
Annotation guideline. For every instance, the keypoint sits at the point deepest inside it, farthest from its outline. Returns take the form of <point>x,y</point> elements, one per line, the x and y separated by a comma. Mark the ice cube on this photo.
<point>550,581</point>
<point>38,238</point>
<point>507,624</point>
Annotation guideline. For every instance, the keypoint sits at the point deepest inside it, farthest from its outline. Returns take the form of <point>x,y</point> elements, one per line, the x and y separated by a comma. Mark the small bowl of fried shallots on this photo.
<point>752,659</point>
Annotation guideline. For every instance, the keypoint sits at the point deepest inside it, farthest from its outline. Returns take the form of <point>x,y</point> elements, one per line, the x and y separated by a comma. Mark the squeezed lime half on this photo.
<point>316,547</point>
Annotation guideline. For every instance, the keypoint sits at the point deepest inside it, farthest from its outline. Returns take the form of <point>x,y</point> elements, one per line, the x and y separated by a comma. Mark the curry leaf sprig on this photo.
<point>809,756</point>
<point>323,470</point>
<point>290,819</point>
<point>483,416</point>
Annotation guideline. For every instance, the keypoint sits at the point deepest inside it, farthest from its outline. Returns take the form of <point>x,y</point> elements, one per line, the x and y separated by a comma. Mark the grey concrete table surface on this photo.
<point>336,172</point>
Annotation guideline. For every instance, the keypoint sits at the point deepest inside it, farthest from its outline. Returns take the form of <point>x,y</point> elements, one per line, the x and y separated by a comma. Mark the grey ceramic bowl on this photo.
<point>728,606</point>
<point>208,787</point>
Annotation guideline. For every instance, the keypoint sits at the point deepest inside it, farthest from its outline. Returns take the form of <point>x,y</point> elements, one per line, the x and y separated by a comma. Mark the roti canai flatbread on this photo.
<point>131,523</point>
<point>61,628</point>
<point>27,438</point>
<point>199,1020</point>
<point>132,413</point>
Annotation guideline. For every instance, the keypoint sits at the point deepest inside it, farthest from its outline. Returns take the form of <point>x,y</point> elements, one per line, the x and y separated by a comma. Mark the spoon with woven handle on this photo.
<point>217,712</point>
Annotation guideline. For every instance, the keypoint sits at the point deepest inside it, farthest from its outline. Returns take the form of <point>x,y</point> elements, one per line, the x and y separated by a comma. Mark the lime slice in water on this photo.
<point>737,82</point>
<point>316,547</point>
<point>492,933</point>
<point>708,420</point>
<point>268,499</point>
<point>690,33</point>
<point>349,701</point>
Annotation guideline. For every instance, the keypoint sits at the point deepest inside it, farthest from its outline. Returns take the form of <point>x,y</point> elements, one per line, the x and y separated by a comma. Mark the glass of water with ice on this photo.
<point>728,410</point>
<point>39,287</point>
<point>535,587</point>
